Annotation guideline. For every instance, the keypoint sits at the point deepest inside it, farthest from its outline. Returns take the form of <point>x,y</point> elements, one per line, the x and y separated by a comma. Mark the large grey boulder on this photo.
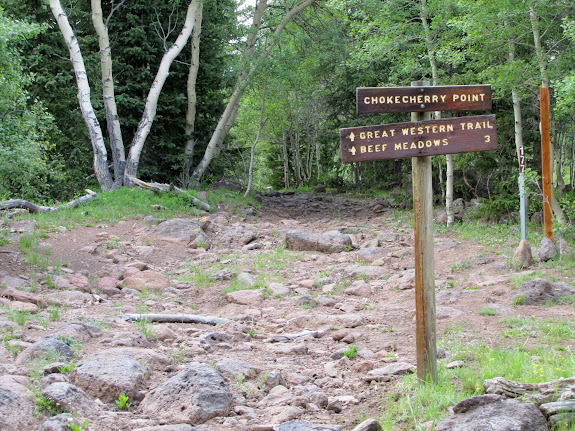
<point>15,412</point>
<point>180,231</point>
<point>46,346</point>
<point>307,426</point>
<point>70,398</point>
<point>540,291</point>
<point>194,395</point>
<point>494,412</point>
<point>329,242</point>
<point>106,378</point>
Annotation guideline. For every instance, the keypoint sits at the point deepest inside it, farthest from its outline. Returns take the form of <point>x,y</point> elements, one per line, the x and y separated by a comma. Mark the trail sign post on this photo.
<point>546,173</point>
<point>421,139</point>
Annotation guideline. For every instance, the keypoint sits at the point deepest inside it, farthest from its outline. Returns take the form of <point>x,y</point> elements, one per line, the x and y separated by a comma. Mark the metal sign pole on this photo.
<point>522,214</point>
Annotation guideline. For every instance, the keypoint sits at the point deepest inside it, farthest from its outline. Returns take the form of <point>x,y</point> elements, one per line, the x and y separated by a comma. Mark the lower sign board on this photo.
<point>416,139</point>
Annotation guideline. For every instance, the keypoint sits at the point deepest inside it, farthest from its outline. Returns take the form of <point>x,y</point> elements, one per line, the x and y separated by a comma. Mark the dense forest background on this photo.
<point>294,73</point>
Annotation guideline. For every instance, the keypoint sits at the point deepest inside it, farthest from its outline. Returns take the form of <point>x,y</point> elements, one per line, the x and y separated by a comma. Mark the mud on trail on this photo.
<point>292,313</point>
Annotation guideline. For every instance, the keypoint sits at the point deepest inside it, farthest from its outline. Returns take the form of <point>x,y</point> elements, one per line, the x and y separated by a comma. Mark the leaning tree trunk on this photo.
<point>94,130</point>
<point>248,69</point>
<point>192,97</point>
<point>112,119</point>
<point>154,94</point>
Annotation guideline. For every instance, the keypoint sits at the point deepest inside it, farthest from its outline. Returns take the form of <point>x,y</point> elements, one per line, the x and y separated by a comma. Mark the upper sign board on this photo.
<point>371,100</point>
<point>420,138</point>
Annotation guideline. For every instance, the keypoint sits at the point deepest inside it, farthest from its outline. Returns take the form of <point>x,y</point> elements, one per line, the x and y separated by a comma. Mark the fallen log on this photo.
<point>164,188</point>
<point>537,393</point>
<point>175,318</point>
<point>33,208</point>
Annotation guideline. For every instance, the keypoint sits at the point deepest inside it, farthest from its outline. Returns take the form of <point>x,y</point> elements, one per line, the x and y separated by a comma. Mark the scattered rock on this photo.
<point>522,257</point>
<point>19,295</point>
<point>15,413</point>
<point>539,292</point>
<point>368,425</point>
<point>146,280</point>
<point>72,282</point>
<point>108,377</point>
<point>70,398</point>
<point>245,297</point>
<point>548,250</point>
<point>329,242</point>
<point>59,423</point>
<point>45,346</point>
<point>194,395</point>
<point>494,412</point>
<point>307,426</point>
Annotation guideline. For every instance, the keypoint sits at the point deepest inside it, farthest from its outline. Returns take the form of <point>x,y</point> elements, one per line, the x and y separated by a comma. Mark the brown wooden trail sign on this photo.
<point>416,139</point>
<point>419,140</point>
<point>372,100</point>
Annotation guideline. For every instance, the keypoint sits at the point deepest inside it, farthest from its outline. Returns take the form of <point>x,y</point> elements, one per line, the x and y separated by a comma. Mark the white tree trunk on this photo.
<point>154,94</point>
<point>437,115</point>
<point>253,148</point>
<point>98,146</point>
<point>248,68</point>
<point>192,96</point>
<point>112,119</point>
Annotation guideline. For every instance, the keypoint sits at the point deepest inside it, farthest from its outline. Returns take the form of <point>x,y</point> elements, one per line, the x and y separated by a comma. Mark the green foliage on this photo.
<point>75,425</point>
<point>412,402</point>
<point>25,125</point>
<point>487,311</point>
<point>122,402</point>
<point>351,351</point>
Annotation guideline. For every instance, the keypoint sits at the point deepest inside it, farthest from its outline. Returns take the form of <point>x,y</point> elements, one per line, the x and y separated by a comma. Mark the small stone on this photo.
<point>455,364</point>
<point>522,257</point>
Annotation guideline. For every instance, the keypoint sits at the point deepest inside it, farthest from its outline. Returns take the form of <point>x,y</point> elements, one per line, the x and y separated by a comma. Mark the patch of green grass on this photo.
<point>200,277</point>
<point>519,299</point>
<point>487,311</point>
<point>351,351</point>
<point>517,280</point>
<point>460,266</point>
<point>549,331</point>
<point>145,327</point>
<point>408,403</point>
<point>44,406</point>
<point>111,207</point>
<point>53,314</point>
<point>18,316</point>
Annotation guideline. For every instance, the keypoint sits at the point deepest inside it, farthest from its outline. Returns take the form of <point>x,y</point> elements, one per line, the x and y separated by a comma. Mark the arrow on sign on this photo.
<point>351,138</point>
<point>352,150</point>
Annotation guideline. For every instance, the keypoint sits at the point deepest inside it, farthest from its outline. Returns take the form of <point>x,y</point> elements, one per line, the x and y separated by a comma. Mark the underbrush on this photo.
<point>125,203</point>
<point>408,403</point>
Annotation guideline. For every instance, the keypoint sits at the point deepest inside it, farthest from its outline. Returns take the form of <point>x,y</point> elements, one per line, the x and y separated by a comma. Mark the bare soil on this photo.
<point>469,277</point>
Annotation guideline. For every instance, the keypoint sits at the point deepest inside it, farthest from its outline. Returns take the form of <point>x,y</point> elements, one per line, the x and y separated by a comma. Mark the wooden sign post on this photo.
<point>421,139</point>
<point>546,173</point>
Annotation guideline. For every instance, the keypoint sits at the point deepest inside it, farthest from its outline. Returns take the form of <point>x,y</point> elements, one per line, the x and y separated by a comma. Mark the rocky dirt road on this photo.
<point>314,334</point>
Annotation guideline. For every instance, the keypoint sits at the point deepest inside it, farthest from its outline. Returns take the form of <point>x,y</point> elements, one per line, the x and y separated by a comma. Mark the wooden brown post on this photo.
<point>424,260</point>
<point>546,164</point>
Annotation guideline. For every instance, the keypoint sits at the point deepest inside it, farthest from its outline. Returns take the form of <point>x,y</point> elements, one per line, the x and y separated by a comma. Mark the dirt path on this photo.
<point>377,317</point>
